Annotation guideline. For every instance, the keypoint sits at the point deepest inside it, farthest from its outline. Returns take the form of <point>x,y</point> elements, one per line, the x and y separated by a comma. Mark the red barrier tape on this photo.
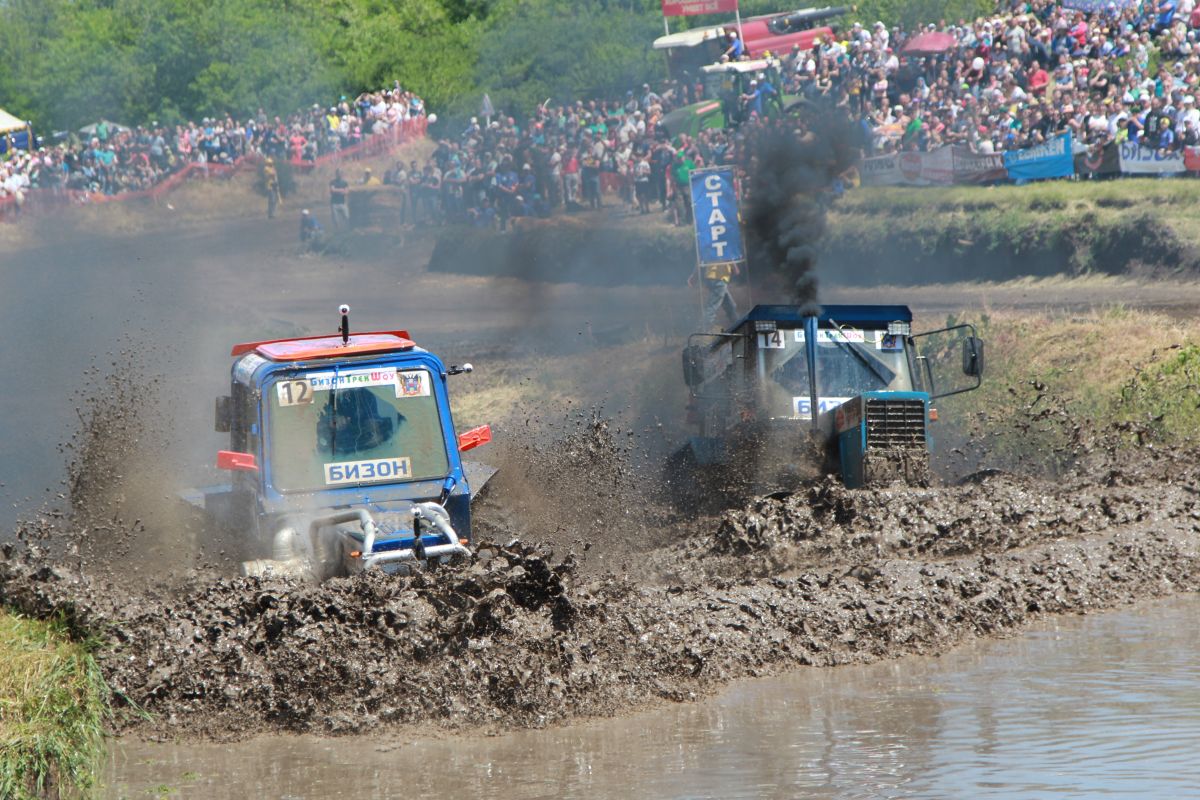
<point>47,199</point>
<point>375,145</point>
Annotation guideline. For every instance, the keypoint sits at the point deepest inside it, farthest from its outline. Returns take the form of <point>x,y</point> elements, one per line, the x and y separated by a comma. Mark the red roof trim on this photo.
<point>399,341</point>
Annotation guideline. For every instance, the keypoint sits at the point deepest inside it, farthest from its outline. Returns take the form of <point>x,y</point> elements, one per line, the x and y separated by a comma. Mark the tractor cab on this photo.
<point>343,454</point>
<point>724,84</point>
<point>848,383</point>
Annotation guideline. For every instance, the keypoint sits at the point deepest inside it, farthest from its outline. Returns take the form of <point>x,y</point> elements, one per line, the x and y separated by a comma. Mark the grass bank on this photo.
<point>53,704</point>
<point>594,248</point>
<point>936,234</point>
<point>879,235</point>
<point>1060,384</point>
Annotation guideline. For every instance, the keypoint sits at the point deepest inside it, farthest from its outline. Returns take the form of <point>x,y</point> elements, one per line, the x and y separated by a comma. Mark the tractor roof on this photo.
<point>689,38</point>
<point>858,316</point>
<point>316,347</point>
<point>755,65</point>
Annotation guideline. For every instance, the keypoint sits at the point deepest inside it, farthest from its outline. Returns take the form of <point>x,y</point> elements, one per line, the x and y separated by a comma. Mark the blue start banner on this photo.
<point>714,208</point>
<point>1050,160</point>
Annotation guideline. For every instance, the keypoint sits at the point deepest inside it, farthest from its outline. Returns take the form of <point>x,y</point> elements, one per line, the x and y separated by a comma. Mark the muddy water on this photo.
<point>1102,706</point>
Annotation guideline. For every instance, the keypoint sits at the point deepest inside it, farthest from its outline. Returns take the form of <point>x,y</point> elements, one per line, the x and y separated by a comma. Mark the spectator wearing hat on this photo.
<point>310,229</point>
<point>734,49</point>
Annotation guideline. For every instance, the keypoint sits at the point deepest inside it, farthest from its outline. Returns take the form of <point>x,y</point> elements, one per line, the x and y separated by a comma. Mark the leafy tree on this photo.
<point>376,42</point>
<point>560,50</point>
<point>65,63</point>
<point>912,13</point>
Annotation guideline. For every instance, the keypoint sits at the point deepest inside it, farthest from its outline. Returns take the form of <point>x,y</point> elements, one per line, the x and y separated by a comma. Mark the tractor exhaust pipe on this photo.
<point>810,355</point>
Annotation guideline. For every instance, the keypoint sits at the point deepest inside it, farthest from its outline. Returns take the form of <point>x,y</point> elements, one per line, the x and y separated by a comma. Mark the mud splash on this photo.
<point>577,484</point>
<point>826,576</point>
<point>520,637</point>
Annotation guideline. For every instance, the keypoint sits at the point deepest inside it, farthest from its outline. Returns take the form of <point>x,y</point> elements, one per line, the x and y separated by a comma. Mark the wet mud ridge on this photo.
<point>824,576</point>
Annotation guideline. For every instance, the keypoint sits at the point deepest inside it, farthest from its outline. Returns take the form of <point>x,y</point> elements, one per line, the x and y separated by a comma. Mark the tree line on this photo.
<point>64,63</point>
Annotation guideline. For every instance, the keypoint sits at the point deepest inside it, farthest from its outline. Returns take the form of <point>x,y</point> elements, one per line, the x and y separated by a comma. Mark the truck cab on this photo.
<point>845,388</point>
<point>343,455</point>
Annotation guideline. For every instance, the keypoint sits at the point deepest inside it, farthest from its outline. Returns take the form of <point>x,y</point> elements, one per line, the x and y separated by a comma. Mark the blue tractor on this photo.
<point>784,394</point>
<point>343,456</point>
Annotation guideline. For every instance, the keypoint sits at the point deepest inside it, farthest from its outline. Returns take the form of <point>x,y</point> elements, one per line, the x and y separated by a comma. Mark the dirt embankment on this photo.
<point>594,249</point>
<point>879,236</point>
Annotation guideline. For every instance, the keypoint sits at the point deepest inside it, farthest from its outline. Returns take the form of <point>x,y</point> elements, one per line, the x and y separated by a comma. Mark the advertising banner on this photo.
<point>1050,160</point>
<point>714,209</point>
<point>1139,160</point>
<point>940,167</point>
<point>934,167</point>
<point>910,168</point>
<point>977,167</point>
<point>1098,160</point>
<point>690,8</point>
<point>881,170</point>
<point>1191,159</point>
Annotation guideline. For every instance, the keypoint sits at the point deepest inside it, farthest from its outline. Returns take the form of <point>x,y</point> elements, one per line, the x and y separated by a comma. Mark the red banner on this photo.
<point>690,8</point>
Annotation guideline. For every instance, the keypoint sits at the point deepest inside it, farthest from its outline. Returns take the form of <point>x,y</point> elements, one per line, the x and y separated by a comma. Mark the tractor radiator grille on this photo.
<point>895,423</point>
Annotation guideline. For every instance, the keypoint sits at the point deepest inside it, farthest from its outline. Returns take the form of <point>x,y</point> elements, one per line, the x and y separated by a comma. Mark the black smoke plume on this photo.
<point>792,165</point>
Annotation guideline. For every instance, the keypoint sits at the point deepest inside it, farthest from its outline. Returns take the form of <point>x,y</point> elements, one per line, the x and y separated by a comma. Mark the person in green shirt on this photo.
<point>681,173</point>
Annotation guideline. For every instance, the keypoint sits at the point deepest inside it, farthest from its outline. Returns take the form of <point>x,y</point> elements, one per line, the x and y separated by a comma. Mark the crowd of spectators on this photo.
<point>572,157</point>
<point>110,159</point>
<point>1125,72</point>
<point>1032,70</point>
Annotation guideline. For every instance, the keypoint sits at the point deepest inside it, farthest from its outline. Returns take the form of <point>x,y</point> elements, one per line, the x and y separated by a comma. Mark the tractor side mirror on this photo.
<point>223,415</point>
<point>469,440</point>
<point>693,366</point>
<point>233,460</point>
<point>973,356</point>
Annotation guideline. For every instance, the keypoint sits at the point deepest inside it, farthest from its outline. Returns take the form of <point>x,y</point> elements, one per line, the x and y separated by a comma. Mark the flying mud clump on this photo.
<point>791,169</point>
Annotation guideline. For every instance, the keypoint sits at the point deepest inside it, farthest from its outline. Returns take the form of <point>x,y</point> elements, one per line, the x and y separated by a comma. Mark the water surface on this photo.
<point>1080,707</point>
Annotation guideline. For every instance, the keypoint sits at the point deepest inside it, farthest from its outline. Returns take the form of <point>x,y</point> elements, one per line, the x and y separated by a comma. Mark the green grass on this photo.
<point>1056,380</point>
<point>1169,203</point>
<point>53,705</point>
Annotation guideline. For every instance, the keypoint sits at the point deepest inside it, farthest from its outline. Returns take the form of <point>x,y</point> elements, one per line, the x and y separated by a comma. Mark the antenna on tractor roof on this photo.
<point>344,310</point>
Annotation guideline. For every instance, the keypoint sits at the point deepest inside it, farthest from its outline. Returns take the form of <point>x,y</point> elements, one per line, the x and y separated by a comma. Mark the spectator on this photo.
<point>339,196</point>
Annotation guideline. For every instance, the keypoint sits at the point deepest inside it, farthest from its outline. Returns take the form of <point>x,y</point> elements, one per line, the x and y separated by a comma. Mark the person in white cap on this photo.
<point>310,229</point>
<point>1189,113</point>
<point>735,49</point>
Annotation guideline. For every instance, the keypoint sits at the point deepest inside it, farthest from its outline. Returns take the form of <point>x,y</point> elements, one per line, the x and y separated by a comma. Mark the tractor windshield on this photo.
<point>354,426</point>
<point>849,362</point>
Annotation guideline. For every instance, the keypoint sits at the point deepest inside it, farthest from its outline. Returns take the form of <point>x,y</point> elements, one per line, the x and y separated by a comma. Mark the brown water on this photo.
<point>1102,706</point>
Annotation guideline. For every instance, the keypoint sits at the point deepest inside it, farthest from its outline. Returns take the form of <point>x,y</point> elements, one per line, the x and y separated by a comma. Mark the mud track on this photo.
<point>658,607</point>
<point>826,576</point>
